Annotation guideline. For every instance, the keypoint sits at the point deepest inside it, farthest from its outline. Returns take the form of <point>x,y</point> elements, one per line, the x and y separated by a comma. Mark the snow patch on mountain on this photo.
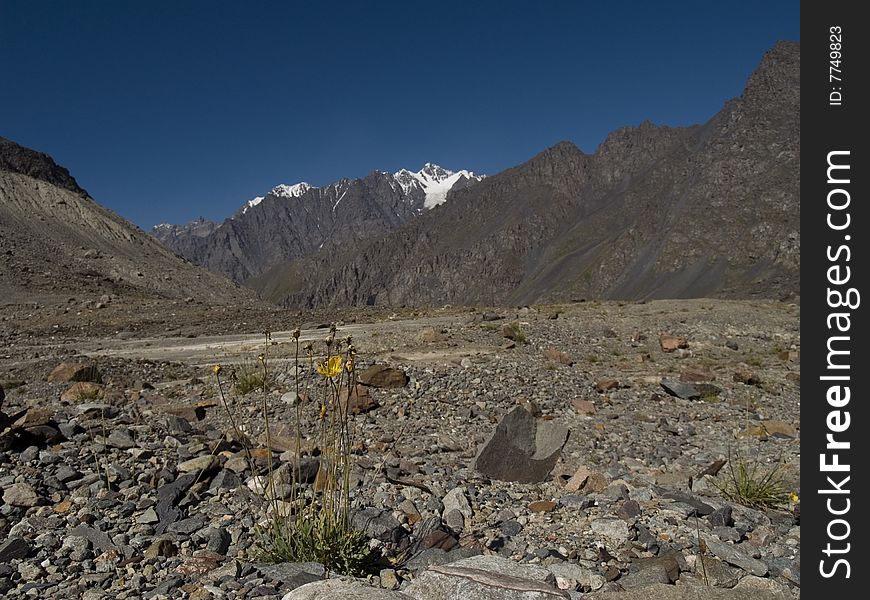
<point>291,191</point>
<point>435,182</point>
<point>251,204</point>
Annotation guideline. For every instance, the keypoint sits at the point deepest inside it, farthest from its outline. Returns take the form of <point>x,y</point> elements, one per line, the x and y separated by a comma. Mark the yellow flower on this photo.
<point>322,411</point>
<point>794,498</point>
<point>331,368</point>
<point>216,369</point>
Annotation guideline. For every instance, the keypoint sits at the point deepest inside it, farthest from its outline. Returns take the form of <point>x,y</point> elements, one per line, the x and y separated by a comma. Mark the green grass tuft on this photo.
<point>751,485</point>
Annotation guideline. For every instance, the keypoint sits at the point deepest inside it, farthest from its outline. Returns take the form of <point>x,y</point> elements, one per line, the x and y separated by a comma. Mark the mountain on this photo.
<point>293,222</point>
<point>57,243</point>
<point>655,212</point>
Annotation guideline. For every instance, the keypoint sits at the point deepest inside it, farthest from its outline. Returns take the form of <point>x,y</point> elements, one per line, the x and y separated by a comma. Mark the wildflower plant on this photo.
<point>311,523</point>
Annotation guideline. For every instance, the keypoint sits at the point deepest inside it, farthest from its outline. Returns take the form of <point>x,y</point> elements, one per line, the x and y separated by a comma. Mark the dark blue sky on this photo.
<point>165,111</point>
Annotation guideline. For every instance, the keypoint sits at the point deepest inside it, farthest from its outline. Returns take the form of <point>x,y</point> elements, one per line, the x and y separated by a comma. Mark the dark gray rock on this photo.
<point>510,528</point>
<point>522,448</point>
<point>120,438</point>
<point>293,575</point>
<point>376,523</point>
<point>217,539</point>
<point>167,587</point>
<point>168,497</point>
<point>733,555</point>
<point>224,480</point>
<point>721,517</point>
<point>14,547</point>
<point>700,508</point>
<point>188,526</point>
<point>98,539</point>
<point>680,389</point>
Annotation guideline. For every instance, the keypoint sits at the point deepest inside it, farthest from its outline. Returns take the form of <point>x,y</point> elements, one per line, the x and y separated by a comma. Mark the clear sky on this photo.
<point>169,110</point>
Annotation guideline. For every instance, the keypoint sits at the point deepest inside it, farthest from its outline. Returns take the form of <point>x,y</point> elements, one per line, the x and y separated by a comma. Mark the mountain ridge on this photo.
<point>654,212</point>
<point>292,222</point>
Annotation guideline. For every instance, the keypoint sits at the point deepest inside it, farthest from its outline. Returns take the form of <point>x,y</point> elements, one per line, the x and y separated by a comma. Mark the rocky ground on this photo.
<point>579,459</point>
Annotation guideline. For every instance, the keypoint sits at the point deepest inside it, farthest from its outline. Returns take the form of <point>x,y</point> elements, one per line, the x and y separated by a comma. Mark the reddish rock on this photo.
<point>66,372</point>
<point>578,480</point>
<point>540,506</point>
<point>606,385</point>
<point>357,401</point>
<point>671,343</point>
<point>190,412</point>
<point>557,356</point>
<point>584,407</point>
<point>697,374</point>
<point>382,376</point>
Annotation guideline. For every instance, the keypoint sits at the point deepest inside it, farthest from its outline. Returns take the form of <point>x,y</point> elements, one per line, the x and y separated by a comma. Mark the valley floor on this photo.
<point>627,505</point>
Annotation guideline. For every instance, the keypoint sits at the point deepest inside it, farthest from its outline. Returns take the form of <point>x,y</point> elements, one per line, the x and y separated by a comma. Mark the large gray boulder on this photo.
<point>337,589</point>
<point>522,448</point>
<point>662,591</point>
<point>485,578</point>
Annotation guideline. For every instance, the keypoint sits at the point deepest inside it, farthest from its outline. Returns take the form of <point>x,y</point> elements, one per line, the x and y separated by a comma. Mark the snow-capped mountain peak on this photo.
<point>291,191</point>
<point>281,190</point>
<point>435,181</point>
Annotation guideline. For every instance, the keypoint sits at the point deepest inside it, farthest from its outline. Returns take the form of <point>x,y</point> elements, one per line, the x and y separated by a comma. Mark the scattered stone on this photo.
<point>389,579</point>
<point>189,412</point>
<point>120,438</point>
<point>98,539</point>
<point>291,575</point>
<point>457,510</point>
<point>14,547</point>
<point>570,576</point>
<point>672,343</point>
<point>721,517</point>
<point>20,494</point>
<point>382,376</point>
<point>605,385</point>
<point>613,529</point>
<point>697,375</point>
<point>540,506</point>
<point>583,407</point>
<point>686,391</point>
<point>359,401</point>
<point>733,556</point>
<point>206,463</point>
<point>376,523</point>
<point>522,448</point>
<point>161,547</point>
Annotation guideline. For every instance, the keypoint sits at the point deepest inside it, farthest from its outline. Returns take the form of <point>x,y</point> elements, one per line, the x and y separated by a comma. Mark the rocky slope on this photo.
<point>711,210</point>
<point>57,245</point>
<point>294,222</point>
